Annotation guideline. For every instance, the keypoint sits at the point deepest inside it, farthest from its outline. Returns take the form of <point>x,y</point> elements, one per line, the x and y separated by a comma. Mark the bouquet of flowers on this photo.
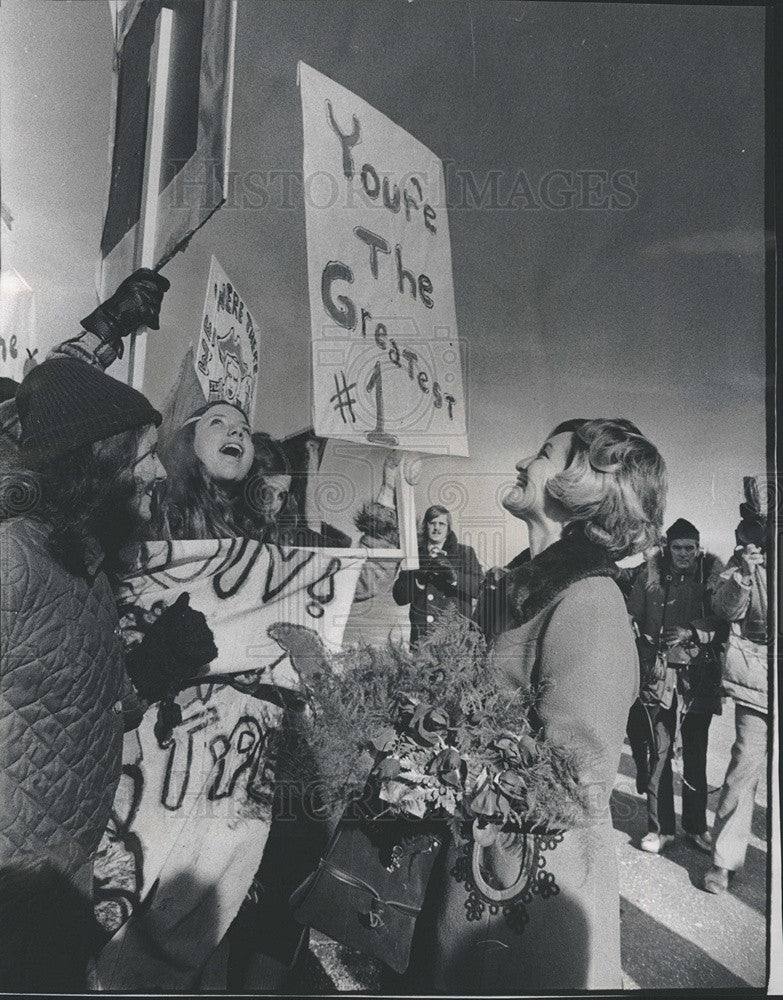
<point>407,742</point>
<point>434,733</point>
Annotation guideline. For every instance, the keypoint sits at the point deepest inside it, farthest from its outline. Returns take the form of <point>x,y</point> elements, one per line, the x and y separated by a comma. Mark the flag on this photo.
<point>196,123</point>
<point>191,818</point>
<point>123,13</point>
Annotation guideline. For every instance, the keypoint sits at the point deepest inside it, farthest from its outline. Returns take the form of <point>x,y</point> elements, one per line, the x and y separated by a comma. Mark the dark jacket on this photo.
<point>661,598</point>
<point>449,582</point>
<point>62,688</point>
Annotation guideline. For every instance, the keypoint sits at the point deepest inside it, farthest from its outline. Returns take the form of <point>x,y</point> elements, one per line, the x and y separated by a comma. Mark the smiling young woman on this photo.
<point>208,461</point>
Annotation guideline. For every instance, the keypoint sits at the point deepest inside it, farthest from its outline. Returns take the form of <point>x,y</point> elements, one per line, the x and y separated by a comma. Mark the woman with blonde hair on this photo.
<point>540,909</point>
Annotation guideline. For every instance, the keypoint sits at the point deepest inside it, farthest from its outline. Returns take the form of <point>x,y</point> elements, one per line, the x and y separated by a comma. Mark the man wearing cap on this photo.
<point>680,680</point>
<point>80,495</point>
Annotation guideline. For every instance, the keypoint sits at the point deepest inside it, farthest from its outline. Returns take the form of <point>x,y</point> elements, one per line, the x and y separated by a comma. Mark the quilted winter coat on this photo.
<point>62,685</point>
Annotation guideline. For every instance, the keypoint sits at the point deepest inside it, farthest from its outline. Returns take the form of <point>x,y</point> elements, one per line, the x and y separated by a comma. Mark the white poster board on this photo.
<point>385,350</point>
<point>226,358</point>
<point>17,324</point>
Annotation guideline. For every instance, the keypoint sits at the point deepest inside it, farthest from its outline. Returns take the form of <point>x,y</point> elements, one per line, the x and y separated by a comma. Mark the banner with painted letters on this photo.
<point>385,349</point>
<point>191,816</point>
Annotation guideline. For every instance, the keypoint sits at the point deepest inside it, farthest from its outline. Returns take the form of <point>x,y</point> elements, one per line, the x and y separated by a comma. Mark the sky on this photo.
<point>652,310</point>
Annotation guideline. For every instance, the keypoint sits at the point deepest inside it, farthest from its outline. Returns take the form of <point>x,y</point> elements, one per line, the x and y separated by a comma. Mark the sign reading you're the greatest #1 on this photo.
<point>386,359</point>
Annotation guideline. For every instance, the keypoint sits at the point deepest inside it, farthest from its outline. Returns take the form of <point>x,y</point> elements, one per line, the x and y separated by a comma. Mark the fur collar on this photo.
<point>657,568</point>
<point>450,545</point>
<point>573,558</point>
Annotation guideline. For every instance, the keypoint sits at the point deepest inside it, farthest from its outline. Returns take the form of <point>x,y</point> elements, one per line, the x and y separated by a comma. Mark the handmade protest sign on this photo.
<point>226,358</point>
<point>17,325</point>
<point>386,358</point>
<point>194,806</point>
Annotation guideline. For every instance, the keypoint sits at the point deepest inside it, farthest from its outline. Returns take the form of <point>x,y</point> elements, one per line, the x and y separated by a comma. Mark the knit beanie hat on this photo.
<point>682,529</point>
<point>64,403</point>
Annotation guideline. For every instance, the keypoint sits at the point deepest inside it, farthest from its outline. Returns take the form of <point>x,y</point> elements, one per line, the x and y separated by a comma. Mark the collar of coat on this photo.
<point>449,545</point>
<point>658,567</point>
<point>574,557</point>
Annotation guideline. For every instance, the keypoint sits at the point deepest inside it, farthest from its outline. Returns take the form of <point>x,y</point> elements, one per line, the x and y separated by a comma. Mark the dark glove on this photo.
<point>441,566</point>
<point>169,717</point>
<point>175,649</point>
<point>136,303</point>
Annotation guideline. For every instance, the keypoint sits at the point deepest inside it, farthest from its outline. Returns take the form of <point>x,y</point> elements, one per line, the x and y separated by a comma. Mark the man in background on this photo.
<point>679,681</point>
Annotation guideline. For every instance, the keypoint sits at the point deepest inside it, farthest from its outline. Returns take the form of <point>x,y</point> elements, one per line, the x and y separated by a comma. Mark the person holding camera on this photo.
<point>680,680</point>
<point>740,597</point>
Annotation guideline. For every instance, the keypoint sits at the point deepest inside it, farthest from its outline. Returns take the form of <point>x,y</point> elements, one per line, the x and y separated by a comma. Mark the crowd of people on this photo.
<point>649,652</point>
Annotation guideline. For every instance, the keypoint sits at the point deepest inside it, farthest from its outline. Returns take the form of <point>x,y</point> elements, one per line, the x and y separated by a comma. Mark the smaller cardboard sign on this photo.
<point>226,359</point>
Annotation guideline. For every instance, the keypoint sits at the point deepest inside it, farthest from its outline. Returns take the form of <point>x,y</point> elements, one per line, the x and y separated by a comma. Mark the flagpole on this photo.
<point>232,43</point>
<point>156,117</point>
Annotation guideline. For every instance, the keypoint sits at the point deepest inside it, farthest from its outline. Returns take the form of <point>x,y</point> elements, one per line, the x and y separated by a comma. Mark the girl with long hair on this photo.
<point>209,460</point>
<point>448,578</point>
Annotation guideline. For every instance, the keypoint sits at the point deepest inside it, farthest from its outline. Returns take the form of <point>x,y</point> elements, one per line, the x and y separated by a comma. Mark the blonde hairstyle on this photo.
<point>614,484</point>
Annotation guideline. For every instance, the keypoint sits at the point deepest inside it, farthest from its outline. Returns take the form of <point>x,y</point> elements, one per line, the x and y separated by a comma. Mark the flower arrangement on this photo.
<point>434,733</point>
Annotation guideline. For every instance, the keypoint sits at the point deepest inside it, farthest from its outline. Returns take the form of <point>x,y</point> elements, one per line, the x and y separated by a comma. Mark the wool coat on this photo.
<point>448,583</point>
<point>560,927</point>
<point>63,694</point>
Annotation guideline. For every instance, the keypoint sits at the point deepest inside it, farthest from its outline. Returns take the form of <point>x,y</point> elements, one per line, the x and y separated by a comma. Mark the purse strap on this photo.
<point>329,869</point>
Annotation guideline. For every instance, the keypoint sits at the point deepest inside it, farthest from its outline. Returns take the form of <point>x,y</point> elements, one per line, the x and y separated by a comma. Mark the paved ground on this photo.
<point>674,935</point>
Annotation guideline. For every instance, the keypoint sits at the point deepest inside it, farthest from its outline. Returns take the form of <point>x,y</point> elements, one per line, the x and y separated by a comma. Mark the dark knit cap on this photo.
<point>682,529</point>
<point>8,388</point>
<point>64,404</point>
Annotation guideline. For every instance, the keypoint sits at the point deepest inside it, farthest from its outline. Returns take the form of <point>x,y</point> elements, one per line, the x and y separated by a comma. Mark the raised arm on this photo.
<point>135,304</point>
<point>731,590</point>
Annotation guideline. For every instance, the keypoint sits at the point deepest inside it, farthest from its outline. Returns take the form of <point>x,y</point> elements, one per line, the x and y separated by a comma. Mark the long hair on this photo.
<point>84,496</point>
<point>614,484</point>
<point>436,510</point>
<point>197,505</point>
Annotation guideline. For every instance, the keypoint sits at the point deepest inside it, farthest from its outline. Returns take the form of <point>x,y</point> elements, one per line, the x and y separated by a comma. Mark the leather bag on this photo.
<point>369,886</point>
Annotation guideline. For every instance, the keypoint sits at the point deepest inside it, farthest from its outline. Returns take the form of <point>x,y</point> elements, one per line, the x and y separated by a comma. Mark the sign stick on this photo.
<point>156,115</point>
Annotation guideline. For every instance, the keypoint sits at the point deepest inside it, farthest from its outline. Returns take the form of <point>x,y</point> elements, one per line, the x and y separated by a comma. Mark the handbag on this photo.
<point>745,669</point>
<point>368,888</point>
